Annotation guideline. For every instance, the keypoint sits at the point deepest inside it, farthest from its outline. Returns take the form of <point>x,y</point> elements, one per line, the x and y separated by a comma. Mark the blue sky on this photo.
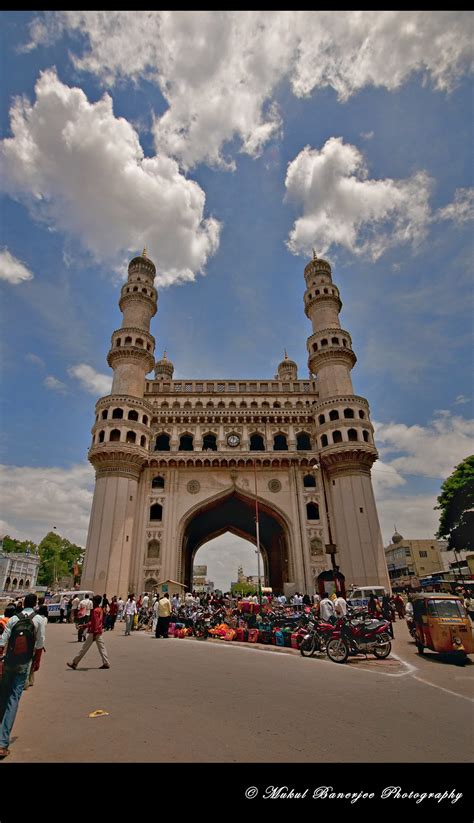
<point>230,144</point>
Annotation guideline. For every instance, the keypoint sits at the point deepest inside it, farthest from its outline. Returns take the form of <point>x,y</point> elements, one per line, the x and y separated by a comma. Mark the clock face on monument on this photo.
<point>233,440</point>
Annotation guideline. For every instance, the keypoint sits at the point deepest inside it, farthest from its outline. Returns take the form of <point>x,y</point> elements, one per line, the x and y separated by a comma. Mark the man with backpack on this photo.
<point>24,640</point>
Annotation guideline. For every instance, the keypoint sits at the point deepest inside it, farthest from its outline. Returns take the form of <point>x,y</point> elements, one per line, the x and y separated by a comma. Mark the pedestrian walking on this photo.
<point>84,614</point>
<point>94,635</point>
<point>24,639</point>
<point>42,612</point>
<point>75,608</point>
<point>62,608</point>
<point>112,615</point>
<point>121,606</point>
<point>164,616</point>
<point>129,612</point>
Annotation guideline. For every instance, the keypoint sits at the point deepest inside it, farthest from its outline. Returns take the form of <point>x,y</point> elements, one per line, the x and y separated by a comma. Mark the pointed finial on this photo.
<point>315,257</point>
<point>286,355</point>
<point>164,355</point>
<point>144,254</point>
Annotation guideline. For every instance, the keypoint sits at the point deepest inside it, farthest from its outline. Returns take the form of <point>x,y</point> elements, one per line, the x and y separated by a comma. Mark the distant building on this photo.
<point>201,584</point>
<point>18,572</point>
<point>408,561</point>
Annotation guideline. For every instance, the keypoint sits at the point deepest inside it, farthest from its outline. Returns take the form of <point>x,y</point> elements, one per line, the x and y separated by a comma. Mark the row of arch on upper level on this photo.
<point>158,482</point>
<point>352,437</point>
<point>115,436</point>
<point>256,442</point>
<point>233,405</point>
<point>129,341</point>
<point>133,289</point>
<point>321,291</point>
<point>118,414</point>
<point>335,341</point>
<point>333,414</point>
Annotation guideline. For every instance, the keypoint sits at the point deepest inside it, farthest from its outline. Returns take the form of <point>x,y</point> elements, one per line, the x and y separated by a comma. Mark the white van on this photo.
<point>360,596</point>
<point>53,604</point>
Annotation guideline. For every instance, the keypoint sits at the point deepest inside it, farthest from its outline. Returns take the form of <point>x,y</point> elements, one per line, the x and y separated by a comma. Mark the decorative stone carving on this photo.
<point>274,485</point>
<point>316,546</point>
<point>193,486</point>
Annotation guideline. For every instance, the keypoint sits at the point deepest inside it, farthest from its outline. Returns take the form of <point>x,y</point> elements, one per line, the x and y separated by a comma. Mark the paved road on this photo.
<point>188,700</point>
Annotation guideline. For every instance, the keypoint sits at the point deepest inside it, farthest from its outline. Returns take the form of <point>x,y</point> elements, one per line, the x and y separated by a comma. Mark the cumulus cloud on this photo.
<point>414,515</point>
<point>12,270</point>
<point>219,71</point>
<point>36,499</point>
<point>92,381</point>
<point>430,451</point>
<point>343,206</point>
<point>461,399</point>
<point>35,359</point>
<point>461,210</point>
<point>54,384</point>
<point>83,171</point>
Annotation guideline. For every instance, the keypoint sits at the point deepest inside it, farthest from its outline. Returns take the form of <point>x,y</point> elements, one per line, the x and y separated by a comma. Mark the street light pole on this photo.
<point>330,547</point>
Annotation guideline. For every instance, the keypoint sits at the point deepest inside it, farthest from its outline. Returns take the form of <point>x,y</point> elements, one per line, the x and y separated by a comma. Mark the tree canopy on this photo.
<point>58,558</point>
<point>244,589</point>
<point>456,503</point>
<point>11,544</point>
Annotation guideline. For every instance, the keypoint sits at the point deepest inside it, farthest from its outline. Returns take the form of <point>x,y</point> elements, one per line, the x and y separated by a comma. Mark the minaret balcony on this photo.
<point>131,354</point>
<point>132,336</point>
<point>348,458</point>
<point>330,356</point>
<point>140,294</point>
<point>324,338</point>
<point>118,459</point>
<point>314,297</point>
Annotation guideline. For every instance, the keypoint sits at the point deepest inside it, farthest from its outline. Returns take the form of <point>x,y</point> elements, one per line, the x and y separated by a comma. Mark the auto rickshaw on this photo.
<point>442,624</point>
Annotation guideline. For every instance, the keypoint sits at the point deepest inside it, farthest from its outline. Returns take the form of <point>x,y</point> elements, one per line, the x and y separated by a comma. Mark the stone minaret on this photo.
<point>344,435</point>
<point>121,437</point>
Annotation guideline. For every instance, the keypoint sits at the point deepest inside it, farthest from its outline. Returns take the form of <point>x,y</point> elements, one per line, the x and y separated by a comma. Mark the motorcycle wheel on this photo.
<point>308,647</point>
<point>383,650</point>
<point>337,650</point>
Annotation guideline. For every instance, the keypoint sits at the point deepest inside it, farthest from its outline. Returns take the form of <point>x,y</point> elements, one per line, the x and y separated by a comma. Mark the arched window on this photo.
<point>309,481</point>
<point>335,341</point>
<point>135,288</point>
<point>317,292</point>
<point>303,442</point>
<point>139,342</point>
<point>209,442</point>
<point>221,405</point>
<point>321,419</point>
<point>15,582</point>
<point>7,583</point>
<point>101,436</point>
<point>277,405</point>
<point>27,584</point>
<point>315,346</point>
<point>337,437</point>
<point>117,414</point>
<point>21,583</point>
<point>254,405</point>
<point>128,341</point>
<point>145,420</point>
<point>153,548</point>
<point>324,440</point>
<point>265,405</point>
<point>158,482</point>
<point>344,342</point>
<point>199,404</point>
<point>349,413</point>
<point>162,443</point>
<point>156,512</point>
<point>334,414</point>
<point>143,441</point>
<point>361,414</point>
<point>114,436</point>
<point>176,405</point>
<point>131,437</point>
<point>133,415</point>
<point>117,342</point>
<point>279,443</point>
<point>104,414</point>
<point>352,435</point>
<point>165,405</point>
<point>312,511</point>
<point>256,443</point>
<point>187,405</point>
<point>365,435</point>
<point>299,404</point>
<point>324,342</point>
<point>243,404</point>
<point>210,405</point>
<point>326,291</point>
<point>186,443</point>
<point>232,405</point>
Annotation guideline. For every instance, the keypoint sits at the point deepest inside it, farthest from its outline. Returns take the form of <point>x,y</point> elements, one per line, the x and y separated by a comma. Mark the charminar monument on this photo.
<point>177,461</point>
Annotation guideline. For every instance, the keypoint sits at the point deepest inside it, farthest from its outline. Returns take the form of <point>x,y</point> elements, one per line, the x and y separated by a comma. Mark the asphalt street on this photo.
<point>209,701</point>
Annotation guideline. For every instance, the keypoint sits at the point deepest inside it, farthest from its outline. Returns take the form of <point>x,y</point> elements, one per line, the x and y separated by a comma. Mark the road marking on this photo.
<point>412,674</point>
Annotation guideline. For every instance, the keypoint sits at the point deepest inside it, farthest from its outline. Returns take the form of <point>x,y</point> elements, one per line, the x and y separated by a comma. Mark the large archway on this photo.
<point>235,513</point>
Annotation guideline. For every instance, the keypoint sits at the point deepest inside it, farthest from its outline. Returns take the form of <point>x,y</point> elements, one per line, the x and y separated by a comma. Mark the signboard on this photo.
<point>164,587</point>
<point>200,571</point>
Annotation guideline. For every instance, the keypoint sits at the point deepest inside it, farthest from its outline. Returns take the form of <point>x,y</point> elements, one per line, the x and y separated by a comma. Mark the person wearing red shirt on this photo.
<point>94,635</point>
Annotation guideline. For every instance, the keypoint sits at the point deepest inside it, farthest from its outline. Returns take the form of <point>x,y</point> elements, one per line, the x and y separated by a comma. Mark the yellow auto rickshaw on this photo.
<point>442,624</point>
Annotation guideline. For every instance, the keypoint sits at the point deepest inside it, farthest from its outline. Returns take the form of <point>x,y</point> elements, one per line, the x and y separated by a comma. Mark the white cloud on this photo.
<point>92,381</point>
<point>219,71</point>
<point>82,170</point>
<point>224,555</point>
<point>33,358</point>
<point>461,210</point>
<point>342,206</point>
<point>413,514</point>
<point>367,135</point>
<point>56,385</point>
<point>36,499</point>
<point>430,451</point>
<point>461,399</point>
<point>12,270</point>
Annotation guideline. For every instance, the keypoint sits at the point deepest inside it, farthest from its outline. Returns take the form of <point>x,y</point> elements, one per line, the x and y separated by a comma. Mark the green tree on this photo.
<point>11,544</point>
<point>58,557</point>
<point>244,589</point>
<point>456,503</point>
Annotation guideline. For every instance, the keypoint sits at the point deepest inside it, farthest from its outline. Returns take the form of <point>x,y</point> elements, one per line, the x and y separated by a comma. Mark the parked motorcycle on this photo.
<point>359,636</point>
<point>315,640</point>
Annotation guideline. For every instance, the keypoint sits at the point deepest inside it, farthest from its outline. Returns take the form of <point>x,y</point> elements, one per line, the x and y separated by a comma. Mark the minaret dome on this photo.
<point>164,368</point>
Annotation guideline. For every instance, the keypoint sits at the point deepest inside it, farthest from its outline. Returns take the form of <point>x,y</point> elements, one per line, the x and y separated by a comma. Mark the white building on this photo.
<point>18,572</point>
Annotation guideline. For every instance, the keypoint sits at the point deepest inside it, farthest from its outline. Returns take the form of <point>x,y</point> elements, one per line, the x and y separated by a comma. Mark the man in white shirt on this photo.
<point>282,599</point>
<point>129,612</point>
<point>340,606</point>
<point>326,609</point>
<point>86,604</point>
<point>145,601</point>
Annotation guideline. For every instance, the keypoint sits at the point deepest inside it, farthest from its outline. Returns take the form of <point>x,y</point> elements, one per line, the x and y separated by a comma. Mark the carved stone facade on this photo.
<point>177,460</point>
